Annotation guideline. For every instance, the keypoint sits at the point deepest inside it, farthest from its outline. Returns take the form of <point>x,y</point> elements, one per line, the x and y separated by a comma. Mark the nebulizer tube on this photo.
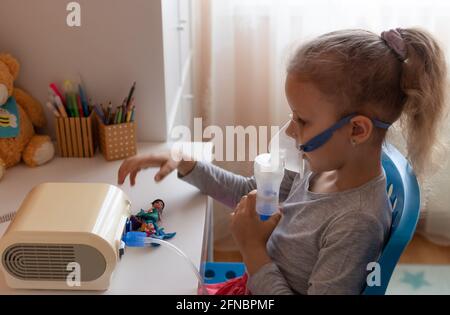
<point>140,239</point>
<point>269,171</point>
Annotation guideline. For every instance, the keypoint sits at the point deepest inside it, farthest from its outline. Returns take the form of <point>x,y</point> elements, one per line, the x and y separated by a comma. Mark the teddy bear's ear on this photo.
<point>12,64</point>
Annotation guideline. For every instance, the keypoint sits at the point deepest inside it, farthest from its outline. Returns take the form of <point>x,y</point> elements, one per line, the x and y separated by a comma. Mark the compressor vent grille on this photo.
<point>39,262</point>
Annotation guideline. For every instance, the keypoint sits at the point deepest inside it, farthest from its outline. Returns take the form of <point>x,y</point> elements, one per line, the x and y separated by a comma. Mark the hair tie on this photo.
<point>395,41</point>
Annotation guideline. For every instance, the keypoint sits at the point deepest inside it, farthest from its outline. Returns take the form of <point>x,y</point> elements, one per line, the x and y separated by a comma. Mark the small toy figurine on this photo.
<point>147,221</point>
<point>148,228</point>
<point>154,213</point>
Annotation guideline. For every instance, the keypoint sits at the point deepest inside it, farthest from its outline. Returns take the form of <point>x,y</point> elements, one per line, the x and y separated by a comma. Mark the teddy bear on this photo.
<point>19,114</point>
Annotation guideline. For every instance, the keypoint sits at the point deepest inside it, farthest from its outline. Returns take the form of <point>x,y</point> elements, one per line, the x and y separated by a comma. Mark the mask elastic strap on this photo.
<point>322,138</point>
<point>381,124</point>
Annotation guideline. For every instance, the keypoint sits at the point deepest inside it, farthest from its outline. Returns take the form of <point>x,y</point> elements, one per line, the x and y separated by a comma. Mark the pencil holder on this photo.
<point>75,137</point>
<point>117,142</point>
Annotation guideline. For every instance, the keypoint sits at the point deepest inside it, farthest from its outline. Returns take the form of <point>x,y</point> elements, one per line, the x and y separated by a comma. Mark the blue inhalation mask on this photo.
<point>293,152</point>
<point>287,153</point>
<point>323,137</point>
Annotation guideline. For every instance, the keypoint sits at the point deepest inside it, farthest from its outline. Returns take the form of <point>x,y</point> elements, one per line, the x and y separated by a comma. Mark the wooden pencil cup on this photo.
<point>117,142</point>
<point>75,137</point>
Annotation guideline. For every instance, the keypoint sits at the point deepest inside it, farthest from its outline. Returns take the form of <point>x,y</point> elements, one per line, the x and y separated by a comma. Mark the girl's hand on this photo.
<point>164,161</point>
<point>250,233</point>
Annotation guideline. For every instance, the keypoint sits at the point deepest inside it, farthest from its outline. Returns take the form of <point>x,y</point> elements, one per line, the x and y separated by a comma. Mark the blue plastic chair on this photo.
<point>403,191</point>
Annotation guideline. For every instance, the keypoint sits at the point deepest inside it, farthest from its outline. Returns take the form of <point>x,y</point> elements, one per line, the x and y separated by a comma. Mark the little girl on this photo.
<point>351,85</point>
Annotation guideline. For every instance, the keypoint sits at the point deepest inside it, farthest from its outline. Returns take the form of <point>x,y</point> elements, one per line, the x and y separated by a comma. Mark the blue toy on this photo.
<point>404,194</point>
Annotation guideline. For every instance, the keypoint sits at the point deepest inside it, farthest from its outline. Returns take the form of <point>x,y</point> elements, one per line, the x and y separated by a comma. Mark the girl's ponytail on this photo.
<point>424,83</point>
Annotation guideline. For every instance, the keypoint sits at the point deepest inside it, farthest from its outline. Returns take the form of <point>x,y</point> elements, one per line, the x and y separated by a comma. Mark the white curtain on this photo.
<point>250,41</point>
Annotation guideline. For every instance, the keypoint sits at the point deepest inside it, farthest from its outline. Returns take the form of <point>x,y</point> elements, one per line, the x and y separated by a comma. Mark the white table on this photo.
<point>141,270</point>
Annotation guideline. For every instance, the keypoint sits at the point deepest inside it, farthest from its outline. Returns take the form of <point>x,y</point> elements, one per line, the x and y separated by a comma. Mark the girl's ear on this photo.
<point>362,128</point>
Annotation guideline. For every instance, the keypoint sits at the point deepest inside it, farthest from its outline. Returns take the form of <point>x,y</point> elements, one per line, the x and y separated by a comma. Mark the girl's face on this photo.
<point>158,205</point>
<point>312,114</point>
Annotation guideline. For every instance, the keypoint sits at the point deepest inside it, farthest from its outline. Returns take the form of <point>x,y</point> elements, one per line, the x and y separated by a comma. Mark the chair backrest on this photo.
<point>404,194</point>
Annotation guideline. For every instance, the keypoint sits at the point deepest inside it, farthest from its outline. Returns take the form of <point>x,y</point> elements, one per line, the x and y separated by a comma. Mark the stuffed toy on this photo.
<point>19,114</point>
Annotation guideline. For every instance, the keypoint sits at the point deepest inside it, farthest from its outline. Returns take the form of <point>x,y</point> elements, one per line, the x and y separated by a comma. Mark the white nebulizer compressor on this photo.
<point>61,228</point>
<point>71,236</point>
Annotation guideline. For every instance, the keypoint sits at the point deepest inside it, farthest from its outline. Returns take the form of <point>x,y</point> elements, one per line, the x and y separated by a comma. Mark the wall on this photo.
<point>118,42</point>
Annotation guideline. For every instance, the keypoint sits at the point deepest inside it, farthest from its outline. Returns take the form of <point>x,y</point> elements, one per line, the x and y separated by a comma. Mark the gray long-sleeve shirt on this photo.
<point>323,242</point>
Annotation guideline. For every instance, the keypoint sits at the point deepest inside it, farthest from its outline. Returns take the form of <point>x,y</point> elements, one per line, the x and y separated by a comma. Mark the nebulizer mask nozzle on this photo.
<point>269,171</point>
<point>289,150</point>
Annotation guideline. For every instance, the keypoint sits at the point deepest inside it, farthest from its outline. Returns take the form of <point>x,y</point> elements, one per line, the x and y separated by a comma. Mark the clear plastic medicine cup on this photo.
<point>269,172</point>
